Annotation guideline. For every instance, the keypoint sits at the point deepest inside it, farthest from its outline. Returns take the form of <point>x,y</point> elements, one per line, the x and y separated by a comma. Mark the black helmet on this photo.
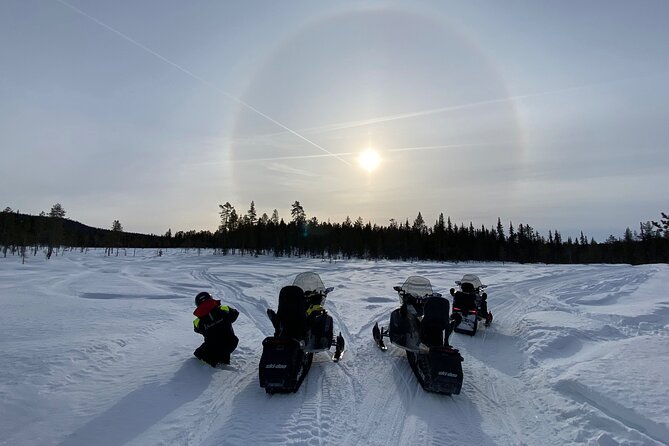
<point>201,297</point>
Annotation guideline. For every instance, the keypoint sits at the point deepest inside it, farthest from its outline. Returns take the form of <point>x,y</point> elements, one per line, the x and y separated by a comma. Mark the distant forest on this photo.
<point>249,234</point>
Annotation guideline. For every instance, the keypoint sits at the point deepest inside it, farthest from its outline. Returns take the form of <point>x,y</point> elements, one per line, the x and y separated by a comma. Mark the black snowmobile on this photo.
<point>302,327</point>
<point>471,303</point>
<point>422,326</point>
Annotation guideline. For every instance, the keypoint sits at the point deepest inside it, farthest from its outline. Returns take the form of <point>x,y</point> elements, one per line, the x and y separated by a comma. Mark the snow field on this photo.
<point>98,350</point>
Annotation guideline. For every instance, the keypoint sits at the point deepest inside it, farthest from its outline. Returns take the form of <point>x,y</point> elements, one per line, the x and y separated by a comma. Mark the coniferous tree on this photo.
<point>226,211</point>
<point>297,213</point>
<point>663,225</point>
<point>419,224</point>
<point>233,220</point>
<point>57,211</point>
<point>512,233</point>
<point>440,225</point>
<point>629,236</point>
<point>251,216</point>
<point>115,237</point>
<point>500,230</point>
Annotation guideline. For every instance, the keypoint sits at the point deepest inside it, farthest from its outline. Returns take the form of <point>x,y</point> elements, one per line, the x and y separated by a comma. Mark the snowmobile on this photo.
<point>422,326</point>
<point>471,303</point>
<point>302,327</point>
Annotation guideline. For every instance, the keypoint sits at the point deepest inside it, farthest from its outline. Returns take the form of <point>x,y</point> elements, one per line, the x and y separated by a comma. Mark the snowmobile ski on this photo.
<point>378,338</point>
<point>339,351</point>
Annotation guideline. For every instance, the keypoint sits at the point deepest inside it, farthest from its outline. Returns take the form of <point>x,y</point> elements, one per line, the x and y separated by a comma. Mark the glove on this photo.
<point>457,318</point>
<point>452,291</point>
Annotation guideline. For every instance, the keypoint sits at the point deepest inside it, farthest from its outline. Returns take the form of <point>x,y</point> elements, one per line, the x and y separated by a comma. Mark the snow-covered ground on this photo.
<point>97,350</point>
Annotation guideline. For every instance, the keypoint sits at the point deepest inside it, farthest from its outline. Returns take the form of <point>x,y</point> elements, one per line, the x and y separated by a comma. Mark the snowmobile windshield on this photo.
<point>472,279</point>
<point>309,282</point>
<point>417,286</point>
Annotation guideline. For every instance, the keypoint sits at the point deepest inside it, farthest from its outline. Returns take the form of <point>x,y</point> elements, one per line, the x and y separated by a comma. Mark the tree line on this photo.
<point>24,234</point>
<point>249,234</point>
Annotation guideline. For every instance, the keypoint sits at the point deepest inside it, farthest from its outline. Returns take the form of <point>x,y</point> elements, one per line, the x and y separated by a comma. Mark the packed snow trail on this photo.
<point>98,350</point>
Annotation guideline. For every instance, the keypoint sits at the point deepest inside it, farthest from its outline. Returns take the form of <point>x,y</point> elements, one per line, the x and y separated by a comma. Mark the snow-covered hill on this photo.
<point>98,350</point>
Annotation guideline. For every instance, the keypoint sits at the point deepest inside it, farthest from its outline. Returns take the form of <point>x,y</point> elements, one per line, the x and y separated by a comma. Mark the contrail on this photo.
<point>294,157</point>
<point>415,114</point>
<point>434,111</point>
<point>199,79</point>
<point>448,146</point>
<point>398,149</point>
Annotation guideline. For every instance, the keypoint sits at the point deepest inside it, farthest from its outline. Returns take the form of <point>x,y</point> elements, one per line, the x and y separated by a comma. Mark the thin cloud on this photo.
<point>458,107</point>
<point>198,78</point>
<point>284,169</point>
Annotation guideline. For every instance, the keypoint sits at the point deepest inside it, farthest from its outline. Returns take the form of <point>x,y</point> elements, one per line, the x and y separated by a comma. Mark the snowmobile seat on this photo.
<point>435,322</point>
<point>291,315</point>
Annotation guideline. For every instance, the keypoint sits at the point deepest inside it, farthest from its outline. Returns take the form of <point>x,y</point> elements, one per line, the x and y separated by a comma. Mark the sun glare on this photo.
<point>369,160</point>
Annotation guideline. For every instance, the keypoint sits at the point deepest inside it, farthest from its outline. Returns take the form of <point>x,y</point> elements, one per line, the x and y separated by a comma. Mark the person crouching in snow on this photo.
<point>214,322</point>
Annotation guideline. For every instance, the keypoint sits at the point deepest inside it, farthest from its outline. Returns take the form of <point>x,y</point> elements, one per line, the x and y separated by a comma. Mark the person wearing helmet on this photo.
<point>214,322</point>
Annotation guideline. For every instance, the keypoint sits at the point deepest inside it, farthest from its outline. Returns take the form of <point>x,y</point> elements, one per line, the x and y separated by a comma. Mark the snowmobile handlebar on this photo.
<point>323,293</point>
<point>483,295</point>
<point>412,298</point>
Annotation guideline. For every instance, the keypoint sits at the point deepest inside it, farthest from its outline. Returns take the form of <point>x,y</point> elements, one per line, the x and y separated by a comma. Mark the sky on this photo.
<point>153,113</point>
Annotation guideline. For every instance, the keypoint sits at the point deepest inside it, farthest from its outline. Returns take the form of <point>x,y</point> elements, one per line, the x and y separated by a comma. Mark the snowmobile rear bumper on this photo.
<point>283,364</point>
<point>439,370</point>
<point>468,325</point>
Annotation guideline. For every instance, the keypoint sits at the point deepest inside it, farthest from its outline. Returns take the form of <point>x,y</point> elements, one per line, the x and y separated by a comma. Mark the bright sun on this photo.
<point>369,160</point>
